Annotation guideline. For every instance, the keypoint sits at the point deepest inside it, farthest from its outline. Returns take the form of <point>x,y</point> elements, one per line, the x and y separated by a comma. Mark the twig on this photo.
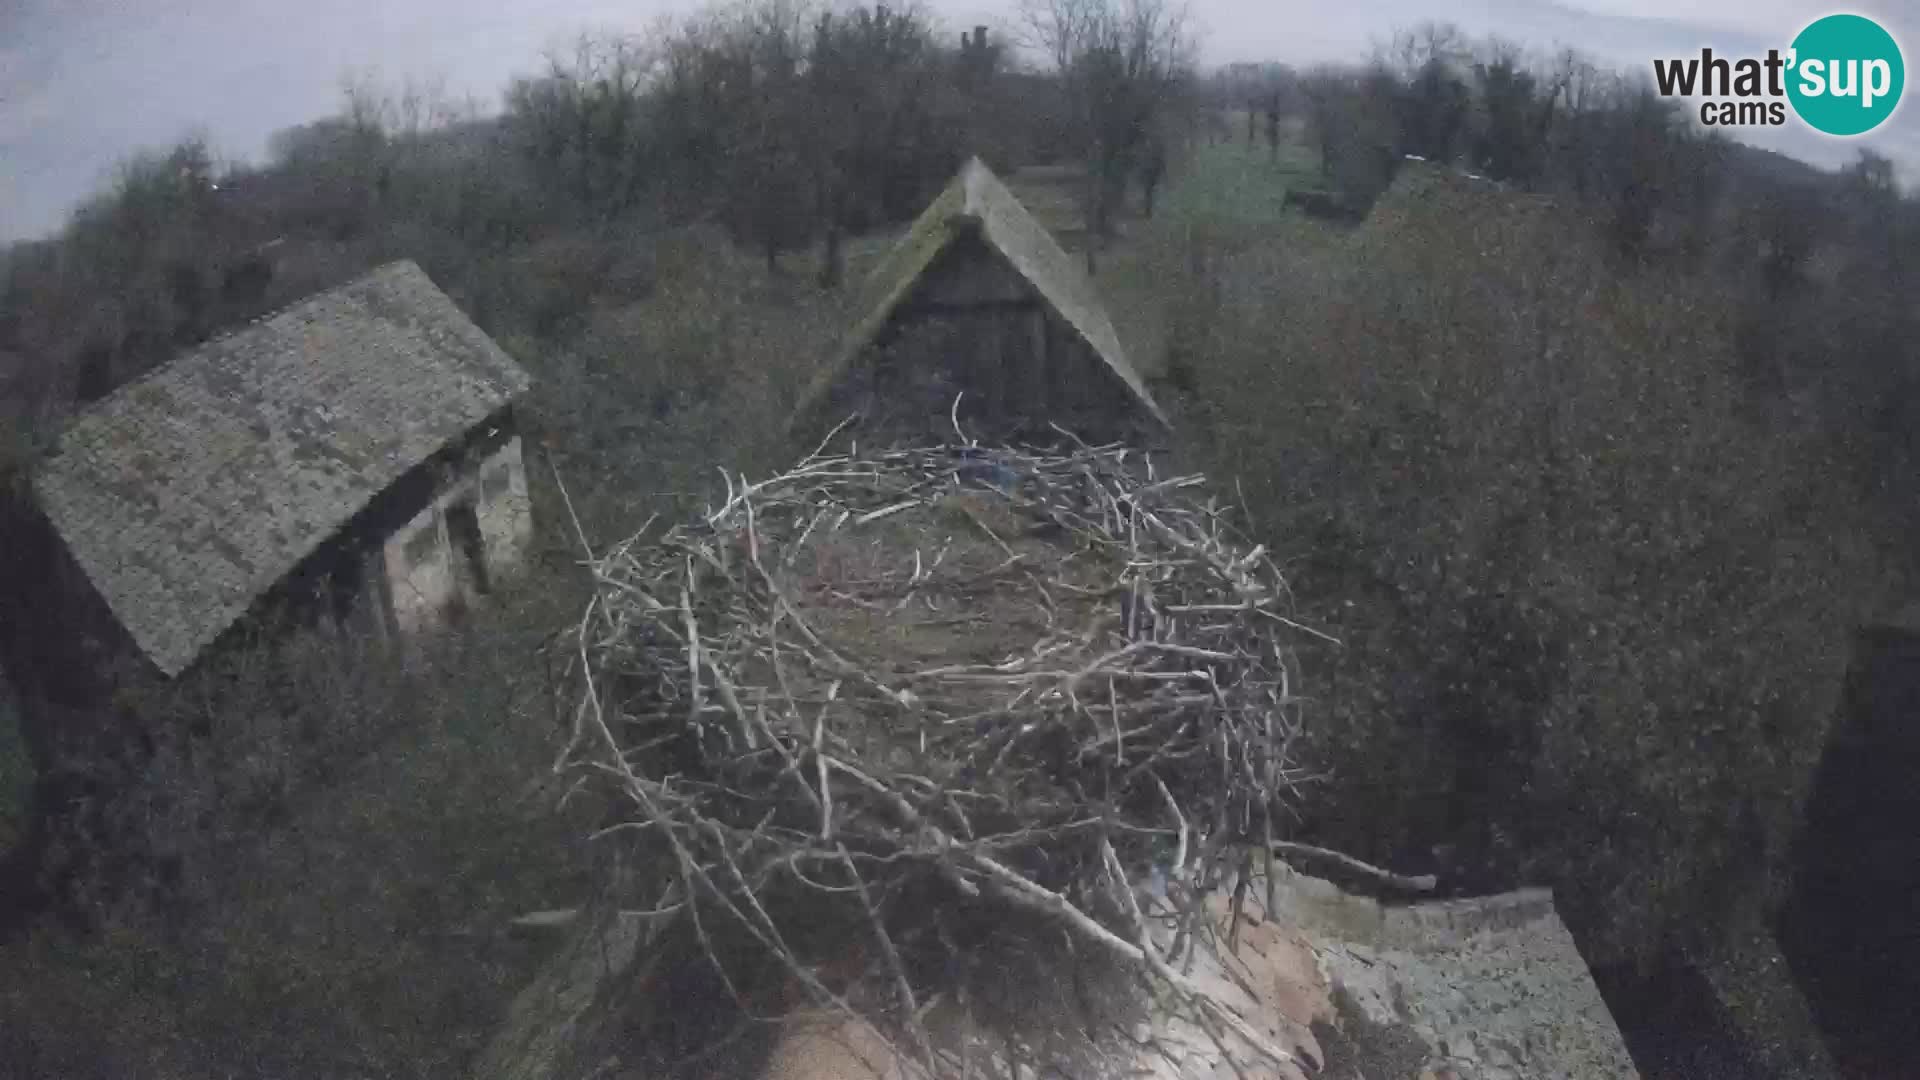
<point>1239,898</point>
<point>578,532</point>
<point>1180,853</point>
<point>1420,883</point>
<point>1180,984</point>
<point>910,1009</point>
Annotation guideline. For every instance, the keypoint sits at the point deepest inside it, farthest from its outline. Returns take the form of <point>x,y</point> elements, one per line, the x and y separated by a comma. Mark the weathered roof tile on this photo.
<point>187,494</point>
<point>977,199</point>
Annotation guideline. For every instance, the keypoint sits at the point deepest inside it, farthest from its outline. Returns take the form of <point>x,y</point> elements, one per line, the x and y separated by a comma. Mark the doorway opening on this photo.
<point>469,550</point>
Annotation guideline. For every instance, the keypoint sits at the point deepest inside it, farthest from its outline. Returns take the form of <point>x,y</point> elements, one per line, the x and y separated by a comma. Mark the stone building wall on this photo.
<point>430,566</point>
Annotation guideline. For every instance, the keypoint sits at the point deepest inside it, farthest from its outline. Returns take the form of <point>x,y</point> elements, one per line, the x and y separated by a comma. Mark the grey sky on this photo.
<point>84,83</point>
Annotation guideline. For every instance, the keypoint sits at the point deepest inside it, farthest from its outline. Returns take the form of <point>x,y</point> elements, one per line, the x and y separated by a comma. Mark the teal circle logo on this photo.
<point>1846,75</point>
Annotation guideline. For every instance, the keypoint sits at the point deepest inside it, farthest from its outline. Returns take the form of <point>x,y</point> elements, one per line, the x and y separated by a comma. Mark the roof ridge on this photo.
<point>98,404</point>
<point>1062,274</point>
<point>1023,243</point>
<point>283,309</point>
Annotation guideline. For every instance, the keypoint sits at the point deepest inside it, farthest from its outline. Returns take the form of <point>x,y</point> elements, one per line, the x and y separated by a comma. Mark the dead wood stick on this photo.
<point>1239,899</point>
<point>910,1015</point>
<point>1266,857</point>
<point>690,874</point>
<point>1190,651</point>
<point>1074,677</point>
<point>770,937</point>
<point>837,428</point>
<point>1419,883</point>
<point>991,535</point>
<point>912,819</point>
<point>1180,853</point>
<point>820,763</point>
<point>1145,952</point>
<point>1302,627</point>
<point>731,700</point>
<point>786,755</point>
<point>578,532</point>
<point>694,700</point>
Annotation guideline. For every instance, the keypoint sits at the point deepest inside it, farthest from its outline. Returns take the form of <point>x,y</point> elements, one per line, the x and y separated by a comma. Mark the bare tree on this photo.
<point>870,78</point>
<point>421,104</point>
<point>582,123</point>
<point>1323,89</point>
<point>770,195</point>
<point>1515,114</point>
<point>1354,117</point>
<point>1061,29</point>
<point>1119,64</point>
<point>1413,48</point>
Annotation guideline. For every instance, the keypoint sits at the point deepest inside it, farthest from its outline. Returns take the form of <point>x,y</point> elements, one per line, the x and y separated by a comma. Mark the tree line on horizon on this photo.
<point>789,123</point>
<point>1816,264</point>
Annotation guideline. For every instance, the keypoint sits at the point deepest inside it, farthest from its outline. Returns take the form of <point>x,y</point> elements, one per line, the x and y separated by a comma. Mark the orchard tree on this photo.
<point>1434,112</point>
<point>1355,120</point>
<point>769,190</point>
<point>871,79</point>
<point>1120,65</point>
<point>1511,142</point>
<point>583,125</point>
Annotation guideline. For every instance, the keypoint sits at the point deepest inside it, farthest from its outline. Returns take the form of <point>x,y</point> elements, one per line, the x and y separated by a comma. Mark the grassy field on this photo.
<point>1225,200</point>
<point>1232,184</point>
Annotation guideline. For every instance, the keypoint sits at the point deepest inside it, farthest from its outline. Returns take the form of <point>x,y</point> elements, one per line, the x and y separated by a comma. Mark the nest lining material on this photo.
<point>879,693</point>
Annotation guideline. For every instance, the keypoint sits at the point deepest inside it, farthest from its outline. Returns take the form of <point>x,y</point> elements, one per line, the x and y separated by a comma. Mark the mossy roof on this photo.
<point>977,201</point>
<point>187,494</point>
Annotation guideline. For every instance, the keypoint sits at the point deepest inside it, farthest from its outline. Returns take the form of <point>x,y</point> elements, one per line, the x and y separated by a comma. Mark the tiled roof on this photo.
<point>1491,988</point>
<point>188,493</point>
<point>977,199</point>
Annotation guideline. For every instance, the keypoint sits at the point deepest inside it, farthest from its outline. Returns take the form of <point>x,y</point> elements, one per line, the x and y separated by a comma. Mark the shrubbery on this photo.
<point>308,868</point>
<point>1595,610</point>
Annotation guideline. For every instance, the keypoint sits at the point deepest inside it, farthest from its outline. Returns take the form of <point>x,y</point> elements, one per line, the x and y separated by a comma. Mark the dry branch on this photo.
<point>1420,883</point>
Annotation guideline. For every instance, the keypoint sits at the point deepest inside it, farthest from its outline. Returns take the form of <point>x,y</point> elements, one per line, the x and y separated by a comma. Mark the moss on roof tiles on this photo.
<point>189,493</point>
<point>977,200</point>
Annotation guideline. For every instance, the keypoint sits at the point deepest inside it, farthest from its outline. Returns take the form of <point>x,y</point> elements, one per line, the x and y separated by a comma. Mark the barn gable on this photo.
<point>977,248</point>
<point>188,494</point>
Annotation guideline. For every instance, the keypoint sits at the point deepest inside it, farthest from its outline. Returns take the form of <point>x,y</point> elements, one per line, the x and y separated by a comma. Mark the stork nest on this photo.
<point>886,703</point>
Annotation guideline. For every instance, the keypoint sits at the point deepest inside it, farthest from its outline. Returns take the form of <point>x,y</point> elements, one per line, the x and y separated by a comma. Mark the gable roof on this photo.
<point>977,201</point>
<point>188,493</point>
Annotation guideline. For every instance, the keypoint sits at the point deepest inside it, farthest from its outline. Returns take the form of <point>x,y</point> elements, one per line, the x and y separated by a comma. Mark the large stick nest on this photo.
<point>887,704</point>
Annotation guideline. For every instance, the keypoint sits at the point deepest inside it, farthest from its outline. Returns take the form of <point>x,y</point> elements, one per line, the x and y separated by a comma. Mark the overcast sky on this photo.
<point>84,83</point>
